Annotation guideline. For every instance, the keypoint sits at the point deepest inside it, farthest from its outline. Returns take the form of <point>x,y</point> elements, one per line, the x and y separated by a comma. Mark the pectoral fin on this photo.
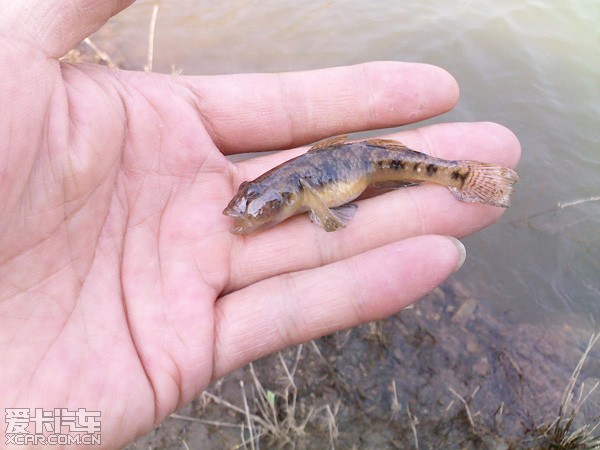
<point>330,219</point>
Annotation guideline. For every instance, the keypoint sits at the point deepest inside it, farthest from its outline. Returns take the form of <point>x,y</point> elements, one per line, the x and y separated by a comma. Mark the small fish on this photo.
<point>334,172</point>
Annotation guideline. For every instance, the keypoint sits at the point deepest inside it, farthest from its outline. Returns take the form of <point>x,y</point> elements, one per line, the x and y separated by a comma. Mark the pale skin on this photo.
<point>121,288</point>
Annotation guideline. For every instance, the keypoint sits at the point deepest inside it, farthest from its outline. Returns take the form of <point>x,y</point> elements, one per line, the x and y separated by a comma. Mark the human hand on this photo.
<point>121,288</point>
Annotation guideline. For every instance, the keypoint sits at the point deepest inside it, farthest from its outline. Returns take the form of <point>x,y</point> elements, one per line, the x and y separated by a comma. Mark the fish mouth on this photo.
<point>241,223</point>
<point>243,226</point>
<point>231,212</point>
<point>244,223</point>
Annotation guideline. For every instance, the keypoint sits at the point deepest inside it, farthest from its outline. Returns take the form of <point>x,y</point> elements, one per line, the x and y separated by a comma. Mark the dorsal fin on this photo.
<point>386,143</point>
<point>335,141</point>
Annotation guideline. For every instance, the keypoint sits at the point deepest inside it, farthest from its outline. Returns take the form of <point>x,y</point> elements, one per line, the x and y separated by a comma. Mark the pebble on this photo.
<point>465,312</point>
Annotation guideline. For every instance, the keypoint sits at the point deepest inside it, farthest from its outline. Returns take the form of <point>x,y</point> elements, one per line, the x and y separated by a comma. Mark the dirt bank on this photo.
<point>446,373</point>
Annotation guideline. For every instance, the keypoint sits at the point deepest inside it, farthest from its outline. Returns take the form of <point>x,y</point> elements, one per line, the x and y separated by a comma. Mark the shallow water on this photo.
<point>533,66</point>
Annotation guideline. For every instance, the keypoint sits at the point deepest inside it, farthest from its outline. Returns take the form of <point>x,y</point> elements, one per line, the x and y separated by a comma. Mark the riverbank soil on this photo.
<point>446,373</point>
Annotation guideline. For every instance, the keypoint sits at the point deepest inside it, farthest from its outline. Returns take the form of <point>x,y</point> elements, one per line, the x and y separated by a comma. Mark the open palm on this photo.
<point>121,288</point>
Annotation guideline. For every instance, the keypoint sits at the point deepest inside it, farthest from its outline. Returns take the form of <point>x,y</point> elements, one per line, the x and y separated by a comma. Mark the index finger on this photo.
<point>255,112</point>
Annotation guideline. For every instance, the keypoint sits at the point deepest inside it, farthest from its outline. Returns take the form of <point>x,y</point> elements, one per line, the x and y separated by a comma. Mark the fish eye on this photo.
<point>251,190</point>
<point>264,204</point>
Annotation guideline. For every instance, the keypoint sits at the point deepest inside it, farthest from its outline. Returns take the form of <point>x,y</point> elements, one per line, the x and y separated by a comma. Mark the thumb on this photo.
<point>55,26</point>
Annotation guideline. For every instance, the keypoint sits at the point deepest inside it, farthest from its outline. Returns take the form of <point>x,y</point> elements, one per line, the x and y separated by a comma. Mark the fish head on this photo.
<point>256,207</point>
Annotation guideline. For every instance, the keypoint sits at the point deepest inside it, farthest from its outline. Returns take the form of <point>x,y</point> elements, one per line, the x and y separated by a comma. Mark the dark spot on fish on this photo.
<point>431,169</point>
<point>456,175</point>
<point>396,164</point>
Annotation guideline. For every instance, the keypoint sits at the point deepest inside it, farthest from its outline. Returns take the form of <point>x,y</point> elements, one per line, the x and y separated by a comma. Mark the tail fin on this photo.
<point>486,183</point>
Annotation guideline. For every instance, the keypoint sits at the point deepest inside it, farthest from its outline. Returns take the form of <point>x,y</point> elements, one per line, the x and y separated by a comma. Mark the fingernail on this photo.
<point>462,252</point>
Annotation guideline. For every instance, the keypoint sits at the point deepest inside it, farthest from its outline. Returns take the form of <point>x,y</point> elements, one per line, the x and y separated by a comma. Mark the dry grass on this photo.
<point>151,32</point>
<point>413,421</point>
<point>560,434</point>
<point>88,51</point>
<point>272,416</point>
<point>558,207</point>
<point>395,407</point>
<point>466,403</point>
